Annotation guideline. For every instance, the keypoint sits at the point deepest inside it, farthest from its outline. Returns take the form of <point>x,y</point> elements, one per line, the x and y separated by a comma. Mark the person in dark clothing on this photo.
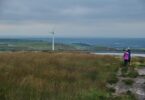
<point>129,55</point>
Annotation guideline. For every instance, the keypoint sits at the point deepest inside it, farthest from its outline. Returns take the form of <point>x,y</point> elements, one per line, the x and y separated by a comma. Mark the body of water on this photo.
<point>108,42</point>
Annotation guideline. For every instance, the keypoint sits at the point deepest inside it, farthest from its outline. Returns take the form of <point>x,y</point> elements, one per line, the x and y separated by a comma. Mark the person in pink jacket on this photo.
<point>126,58</point>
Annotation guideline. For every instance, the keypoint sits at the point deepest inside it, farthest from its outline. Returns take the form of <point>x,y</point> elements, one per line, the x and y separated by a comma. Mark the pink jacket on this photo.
<point>126,56</point>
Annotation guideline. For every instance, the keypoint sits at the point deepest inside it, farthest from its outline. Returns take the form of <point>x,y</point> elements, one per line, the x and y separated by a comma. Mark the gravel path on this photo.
<point>138,87</point>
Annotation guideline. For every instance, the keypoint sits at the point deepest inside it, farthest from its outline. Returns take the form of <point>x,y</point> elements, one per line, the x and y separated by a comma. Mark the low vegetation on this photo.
<point>132,74</point>
<point>56,76</point>
<point>112,79</point>
<point>128,82</point>
<point>124,97</point>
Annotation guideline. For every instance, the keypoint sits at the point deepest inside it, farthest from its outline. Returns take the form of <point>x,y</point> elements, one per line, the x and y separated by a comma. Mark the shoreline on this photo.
<point>95,53</point>
<point>120,54</point>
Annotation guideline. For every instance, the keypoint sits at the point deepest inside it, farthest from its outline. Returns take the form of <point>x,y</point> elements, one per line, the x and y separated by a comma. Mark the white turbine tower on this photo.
<point>53,44</point>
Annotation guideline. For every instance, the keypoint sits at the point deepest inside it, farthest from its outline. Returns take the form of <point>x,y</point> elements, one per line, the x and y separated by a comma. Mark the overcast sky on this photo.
<point>72,18</point>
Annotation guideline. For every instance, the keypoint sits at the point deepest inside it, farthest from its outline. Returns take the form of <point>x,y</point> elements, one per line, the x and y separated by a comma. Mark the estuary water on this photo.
<point>108,42</point>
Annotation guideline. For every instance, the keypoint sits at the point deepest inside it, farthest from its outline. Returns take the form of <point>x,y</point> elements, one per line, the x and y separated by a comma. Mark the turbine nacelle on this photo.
<point>51,32</point>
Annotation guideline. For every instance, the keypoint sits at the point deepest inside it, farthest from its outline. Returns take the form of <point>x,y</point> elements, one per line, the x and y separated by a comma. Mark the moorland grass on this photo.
<point>55,76</point>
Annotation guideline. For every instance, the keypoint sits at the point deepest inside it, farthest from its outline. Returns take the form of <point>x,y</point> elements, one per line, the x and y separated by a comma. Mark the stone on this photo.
<point>141,71</point>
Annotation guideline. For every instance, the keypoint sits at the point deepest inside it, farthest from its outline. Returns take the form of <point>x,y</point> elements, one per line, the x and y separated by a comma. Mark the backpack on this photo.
<point>126,56</point>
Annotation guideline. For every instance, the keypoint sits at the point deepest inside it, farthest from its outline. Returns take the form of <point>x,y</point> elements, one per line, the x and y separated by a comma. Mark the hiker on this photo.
<point>129,52</point>
<point>126,57</point>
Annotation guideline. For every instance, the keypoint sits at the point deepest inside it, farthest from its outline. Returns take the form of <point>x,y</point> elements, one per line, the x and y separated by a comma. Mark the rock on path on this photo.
<point>141,71</point>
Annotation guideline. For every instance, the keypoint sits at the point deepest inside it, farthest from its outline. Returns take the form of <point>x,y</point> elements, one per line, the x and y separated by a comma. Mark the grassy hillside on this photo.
<point>56,76</point>
<point>30,45</point>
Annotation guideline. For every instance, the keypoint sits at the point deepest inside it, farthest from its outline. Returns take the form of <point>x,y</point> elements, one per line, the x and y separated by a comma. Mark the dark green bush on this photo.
<point>113,80</point>
<point>112,90</point>
<point>128,81</point>
<point>132,74</point>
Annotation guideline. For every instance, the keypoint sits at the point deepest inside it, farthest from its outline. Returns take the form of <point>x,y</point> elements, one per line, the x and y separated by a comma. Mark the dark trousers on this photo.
<point>125,62</point>
<point>129,60</point>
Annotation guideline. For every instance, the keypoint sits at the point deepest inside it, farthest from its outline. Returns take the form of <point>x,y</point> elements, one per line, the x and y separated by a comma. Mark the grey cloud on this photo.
<point>1,4</point>
<point>54,10</point>
<point>82,16</point>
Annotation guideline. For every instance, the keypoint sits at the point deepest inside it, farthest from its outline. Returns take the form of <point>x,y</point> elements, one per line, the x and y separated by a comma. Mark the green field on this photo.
<point>43,45</point>
<point>30,45</point>
<point>57,76</point>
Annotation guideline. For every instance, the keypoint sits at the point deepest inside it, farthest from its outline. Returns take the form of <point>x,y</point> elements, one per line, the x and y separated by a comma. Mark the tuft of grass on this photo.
<point>132,74</point>
<point>124,71</point>
<point>112,90</point>
<point>138,62</point>
<point>113,79</point>
<point>94,95</point>
<point>128,82</point>
<point>126,96</point>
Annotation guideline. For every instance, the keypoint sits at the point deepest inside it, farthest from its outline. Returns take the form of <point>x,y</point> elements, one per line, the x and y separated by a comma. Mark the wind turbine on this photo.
<point>53,44</point>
